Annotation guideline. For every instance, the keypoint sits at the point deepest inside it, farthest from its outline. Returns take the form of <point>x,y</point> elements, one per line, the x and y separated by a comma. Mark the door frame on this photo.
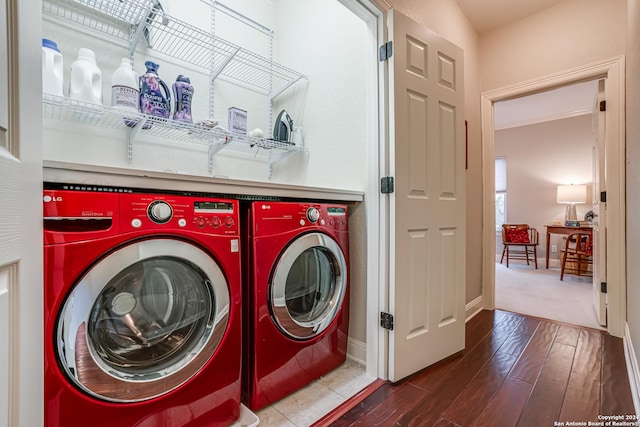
<point>613,70</point>
<point>373,13</point>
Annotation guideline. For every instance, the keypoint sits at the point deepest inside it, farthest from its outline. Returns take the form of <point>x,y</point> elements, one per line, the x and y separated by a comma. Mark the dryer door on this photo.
<point>143,320</point>
<point>308,285</point>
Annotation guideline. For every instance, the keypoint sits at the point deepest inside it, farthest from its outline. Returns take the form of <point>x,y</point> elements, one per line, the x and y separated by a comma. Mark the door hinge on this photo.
<point>603,196</point>
<point>603,105</point>
<point>386,320</point>
<point>386,51</point>
<point>386,185</point>
<point>603,287</point>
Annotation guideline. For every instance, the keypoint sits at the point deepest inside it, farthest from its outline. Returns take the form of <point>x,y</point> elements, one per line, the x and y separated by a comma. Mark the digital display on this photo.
<point>213,207</point>
<point>337,211</point>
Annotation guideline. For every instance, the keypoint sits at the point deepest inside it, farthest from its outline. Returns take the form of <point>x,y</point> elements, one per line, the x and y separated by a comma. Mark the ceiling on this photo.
<point>487,15</point>
<point>561,103</point>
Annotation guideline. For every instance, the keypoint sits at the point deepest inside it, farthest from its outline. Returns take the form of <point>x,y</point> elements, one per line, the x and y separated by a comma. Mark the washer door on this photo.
<point>143,320</point>
<point>308,285</point>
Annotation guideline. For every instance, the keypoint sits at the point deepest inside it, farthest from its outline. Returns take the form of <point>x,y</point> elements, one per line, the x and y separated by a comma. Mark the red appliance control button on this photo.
<point>216,222</point>
<point>136,223</point>
<point>182,222</point>
<point>200,222</point>
<point>229,222</point>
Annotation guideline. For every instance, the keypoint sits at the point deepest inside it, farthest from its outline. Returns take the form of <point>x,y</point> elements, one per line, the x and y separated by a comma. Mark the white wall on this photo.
<point>569,34</point>
<point>539,158</point>
<point>633,183</point>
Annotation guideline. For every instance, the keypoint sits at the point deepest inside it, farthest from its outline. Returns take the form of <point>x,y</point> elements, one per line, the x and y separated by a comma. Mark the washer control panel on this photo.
<point>155,211</point>
<point>75,213</point>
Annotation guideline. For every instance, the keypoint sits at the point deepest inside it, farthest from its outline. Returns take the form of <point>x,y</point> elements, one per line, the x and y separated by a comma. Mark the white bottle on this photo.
<point>86,78</point>
<point>125,89</point>
<point>52,68</point>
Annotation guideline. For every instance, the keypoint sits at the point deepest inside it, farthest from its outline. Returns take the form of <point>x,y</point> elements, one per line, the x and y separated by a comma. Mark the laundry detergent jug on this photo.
<point>155,98</point>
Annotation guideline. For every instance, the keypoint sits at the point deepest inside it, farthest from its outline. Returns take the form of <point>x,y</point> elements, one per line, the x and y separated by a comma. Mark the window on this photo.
<point>501,192</point>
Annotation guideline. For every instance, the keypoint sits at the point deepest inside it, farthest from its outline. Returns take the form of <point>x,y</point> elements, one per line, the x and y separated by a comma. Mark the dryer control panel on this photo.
<point>278,217</point>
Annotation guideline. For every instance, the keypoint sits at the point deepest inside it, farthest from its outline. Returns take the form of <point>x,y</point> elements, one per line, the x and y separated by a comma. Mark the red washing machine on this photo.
<point>142,308</point>
<point>296,297</point>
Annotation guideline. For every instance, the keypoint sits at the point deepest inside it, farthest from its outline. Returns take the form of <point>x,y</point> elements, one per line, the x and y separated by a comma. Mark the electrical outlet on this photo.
<point>554,248</point>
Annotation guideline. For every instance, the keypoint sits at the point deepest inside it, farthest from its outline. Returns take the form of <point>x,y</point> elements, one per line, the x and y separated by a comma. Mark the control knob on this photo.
<point>313,215</point>
<point>159,212</point>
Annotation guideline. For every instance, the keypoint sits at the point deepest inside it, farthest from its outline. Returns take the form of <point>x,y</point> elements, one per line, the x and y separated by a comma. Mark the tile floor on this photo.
<point>308,405</point>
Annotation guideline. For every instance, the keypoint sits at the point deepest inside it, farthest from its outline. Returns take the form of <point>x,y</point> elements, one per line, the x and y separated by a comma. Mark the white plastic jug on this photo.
<point>125,92</point>
<point>52,68</point>
<point>86,78</point>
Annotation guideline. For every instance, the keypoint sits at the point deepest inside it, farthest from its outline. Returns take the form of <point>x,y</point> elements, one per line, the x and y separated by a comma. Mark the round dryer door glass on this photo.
<point>309,284</point>
<point>143,320</point>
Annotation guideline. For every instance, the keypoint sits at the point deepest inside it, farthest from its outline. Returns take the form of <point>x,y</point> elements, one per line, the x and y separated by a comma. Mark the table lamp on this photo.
<point>571,194</point>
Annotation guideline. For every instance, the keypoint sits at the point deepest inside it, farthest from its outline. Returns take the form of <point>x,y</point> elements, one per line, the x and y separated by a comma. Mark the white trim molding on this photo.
<point>472,308</point>
<point>632,368</point>
<point>357,351</point>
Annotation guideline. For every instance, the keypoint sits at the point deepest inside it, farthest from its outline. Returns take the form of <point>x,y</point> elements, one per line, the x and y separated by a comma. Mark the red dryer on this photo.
<point>296,297</point>
<point>142,308</point>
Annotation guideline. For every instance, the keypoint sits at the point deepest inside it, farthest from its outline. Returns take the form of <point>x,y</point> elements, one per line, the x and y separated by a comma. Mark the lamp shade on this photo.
<point>572,194</point>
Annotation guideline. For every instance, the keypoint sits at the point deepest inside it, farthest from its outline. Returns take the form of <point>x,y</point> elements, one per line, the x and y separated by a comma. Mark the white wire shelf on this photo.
<point>133,20</point>
<point>135,124</point>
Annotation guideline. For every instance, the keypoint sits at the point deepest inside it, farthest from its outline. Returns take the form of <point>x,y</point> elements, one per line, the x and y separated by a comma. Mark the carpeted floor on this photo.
<point>523,289</point>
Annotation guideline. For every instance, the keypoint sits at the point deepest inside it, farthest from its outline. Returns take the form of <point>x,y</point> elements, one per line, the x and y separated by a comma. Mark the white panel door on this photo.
<point>21,307</point>
<point>427,289</point>
<point>599,209</point>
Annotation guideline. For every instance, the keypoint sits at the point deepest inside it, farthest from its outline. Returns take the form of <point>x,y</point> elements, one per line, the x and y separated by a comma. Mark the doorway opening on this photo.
<point>612,70</point>
<point>543,141</point>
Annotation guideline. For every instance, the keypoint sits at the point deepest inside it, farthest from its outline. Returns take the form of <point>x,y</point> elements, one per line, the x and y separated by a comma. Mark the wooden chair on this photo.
<point>519,242</point>
<point>577,256</point>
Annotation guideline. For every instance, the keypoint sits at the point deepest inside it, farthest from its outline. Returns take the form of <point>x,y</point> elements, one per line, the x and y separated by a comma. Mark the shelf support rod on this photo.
<point>132,133</point>
<point>221,67</point>
<point>285,87</point>
<point>214,147</point>
<point>142,27</point>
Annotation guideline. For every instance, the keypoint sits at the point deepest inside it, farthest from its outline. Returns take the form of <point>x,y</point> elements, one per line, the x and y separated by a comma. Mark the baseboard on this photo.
<point>472,308</point>
<point>632,368</point>
<point>357,351</point>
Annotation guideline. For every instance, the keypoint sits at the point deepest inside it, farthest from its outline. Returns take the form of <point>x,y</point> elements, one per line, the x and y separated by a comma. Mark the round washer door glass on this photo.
<point>309,285</point>
<point>143,320</point>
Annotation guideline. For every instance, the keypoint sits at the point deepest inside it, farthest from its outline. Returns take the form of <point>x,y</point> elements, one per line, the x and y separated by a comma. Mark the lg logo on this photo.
<point>266,206</point>
<point>48,199</point>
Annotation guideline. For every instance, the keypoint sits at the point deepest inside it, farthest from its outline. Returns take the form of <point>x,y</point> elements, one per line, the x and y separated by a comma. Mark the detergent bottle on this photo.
<point>86,78</point>
<point>125,89</point>
<point>155,98</point>
<point>52,68</point>
<point>182,94</point>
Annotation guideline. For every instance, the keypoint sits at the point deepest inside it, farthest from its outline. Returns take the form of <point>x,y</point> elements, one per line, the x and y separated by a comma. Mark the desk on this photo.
<point>563,229</point>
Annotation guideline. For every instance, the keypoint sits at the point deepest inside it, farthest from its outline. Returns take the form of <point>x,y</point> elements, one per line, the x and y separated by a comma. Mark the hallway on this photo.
<point>516,370</point>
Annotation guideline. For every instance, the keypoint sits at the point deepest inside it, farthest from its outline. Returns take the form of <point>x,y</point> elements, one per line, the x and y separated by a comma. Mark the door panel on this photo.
<point>21,323</point>
<point>428,236</point>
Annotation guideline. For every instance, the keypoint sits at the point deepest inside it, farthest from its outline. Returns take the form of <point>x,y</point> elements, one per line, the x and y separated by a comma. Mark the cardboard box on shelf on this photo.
<point>237,121</point>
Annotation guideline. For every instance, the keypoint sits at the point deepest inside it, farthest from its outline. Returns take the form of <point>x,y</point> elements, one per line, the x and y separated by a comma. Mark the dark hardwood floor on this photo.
<point>516,370</point>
